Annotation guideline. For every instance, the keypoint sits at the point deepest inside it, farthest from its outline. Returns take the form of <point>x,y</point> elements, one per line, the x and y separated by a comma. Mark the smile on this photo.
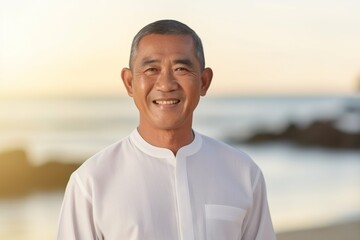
<point>166,102</point>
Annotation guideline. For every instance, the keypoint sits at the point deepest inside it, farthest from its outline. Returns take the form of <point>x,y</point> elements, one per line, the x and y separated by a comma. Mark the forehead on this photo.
<point>165,45</point>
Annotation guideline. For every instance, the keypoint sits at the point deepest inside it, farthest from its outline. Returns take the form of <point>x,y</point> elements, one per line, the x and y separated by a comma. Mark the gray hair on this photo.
<point>168,27</point>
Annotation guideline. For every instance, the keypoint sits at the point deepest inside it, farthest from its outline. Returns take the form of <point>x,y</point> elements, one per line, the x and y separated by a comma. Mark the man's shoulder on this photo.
<point>105,158</point>
<point>226,151</point>
<point>216,144</point>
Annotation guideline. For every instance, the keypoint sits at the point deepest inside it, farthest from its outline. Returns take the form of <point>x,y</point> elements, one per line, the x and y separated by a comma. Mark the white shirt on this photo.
<point>132,190</point>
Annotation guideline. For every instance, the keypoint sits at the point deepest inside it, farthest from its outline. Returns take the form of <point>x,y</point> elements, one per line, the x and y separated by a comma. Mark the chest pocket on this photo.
<point>223,222</point>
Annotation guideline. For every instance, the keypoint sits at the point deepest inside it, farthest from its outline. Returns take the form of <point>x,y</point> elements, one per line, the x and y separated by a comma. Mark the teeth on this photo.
<point>166,102</point>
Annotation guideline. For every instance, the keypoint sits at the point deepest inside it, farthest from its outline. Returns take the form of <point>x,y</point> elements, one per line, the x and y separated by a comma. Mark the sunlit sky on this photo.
<point>78,48</point>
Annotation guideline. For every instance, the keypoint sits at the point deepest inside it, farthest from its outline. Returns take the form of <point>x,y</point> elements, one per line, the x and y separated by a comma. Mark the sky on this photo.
<point>78,47</point>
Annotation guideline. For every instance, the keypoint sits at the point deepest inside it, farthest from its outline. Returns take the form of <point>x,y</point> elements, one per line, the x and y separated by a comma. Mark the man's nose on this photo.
<point>166,81</point>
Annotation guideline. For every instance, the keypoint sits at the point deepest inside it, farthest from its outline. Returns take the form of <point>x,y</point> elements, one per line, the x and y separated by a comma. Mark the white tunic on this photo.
<point>135,191</point>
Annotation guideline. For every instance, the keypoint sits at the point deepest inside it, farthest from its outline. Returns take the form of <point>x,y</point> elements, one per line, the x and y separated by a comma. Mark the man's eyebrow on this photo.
<point>147,61</point>
<point>185,61</point>
<point>182,61</point>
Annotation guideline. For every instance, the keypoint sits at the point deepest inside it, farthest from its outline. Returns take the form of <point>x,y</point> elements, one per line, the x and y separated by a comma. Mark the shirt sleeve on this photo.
<point>76,216</point>
<point>257,223</point>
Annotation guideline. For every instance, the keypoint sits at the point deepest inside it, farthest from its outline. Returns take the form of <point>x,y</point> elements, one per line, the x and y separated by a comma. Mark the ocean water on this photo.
<point>77,128</point>
<point>306,186</point>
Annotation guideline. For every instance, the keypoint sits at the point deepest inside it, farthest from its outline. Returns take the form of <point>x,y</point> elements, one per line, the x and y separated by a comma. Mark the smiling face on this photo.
<point>166,82</point>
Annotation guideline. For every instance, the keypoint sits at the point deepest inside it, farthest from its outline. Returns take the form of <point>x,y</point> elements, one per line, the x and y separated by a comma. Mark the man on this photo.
<point>166,181</point>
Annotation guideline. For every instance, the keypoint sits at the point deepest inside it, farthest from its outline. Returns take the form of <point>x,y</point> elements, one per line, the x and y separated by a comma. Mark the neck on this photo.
<point>170,139</point>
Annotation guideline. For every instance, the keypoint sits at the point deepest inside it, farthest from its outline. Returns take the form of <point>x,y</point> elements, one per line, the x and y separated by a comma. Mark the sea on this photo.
<point>306,186</point>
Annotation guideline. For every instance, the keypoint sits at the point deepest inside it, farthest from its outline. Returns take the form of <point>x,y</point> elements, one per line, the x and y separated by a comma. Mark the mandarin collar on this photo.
<point>159,152</point>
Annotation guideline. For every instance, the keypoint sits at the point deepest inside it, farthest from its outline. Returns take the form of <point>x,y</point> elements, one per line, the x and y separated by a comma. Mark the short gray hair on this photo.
<point>168,27</point>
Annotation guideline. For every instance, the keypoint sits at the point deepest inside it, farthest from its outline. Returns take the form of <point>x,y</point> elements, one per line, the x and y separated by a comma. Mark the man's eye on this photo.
<point>151,70</point>
<point>180,69</point>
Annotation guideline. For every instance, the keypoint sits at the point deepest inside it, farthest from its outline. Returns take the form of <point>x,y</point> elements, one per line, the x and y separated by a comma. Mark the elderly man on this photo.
<point>166,181</point>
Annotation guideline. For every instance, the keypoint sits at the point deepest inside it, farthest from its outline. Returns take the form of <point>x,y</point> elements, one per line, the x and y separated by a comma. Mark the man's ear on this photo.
<point>206,77</point>
<point>126,76</point>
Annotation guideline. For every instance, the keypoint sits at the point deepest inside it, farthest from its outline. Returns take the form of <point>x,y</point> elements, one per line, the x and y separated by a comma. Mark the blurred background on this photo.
<point>286,90</point>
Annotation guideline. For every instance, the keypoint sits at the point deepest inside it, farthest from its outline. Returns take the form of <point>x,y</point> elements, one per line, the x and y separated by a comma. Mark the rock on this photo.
<point>18,177</point>
<point>317,134</point>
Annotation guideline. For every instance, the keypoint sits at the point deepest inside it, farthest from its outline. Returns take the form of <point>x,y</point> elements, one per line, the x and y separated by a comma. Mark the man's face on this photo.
<point>166,81</point>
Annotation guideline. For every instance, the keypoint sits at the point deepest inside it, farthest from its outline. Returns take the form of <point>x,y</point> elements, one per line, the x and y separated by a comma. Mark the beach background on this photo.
<point>310,185</point>
<point>286,90</point>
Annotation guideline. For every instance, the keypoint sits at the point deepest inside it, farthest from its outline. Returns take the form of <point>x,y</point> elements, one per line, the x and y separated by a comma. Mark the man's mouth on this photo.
<point>167,102</point>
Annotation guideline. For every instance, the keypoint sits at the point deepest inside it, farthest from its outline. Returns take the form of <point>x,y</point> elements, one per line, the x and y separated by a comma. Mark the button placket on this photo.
<point>183,200</point>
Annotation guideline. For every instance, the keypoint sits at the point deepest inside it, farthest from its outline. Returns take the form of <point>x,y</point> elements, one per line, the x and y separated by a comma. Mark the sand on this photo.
<point>343,231</point>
